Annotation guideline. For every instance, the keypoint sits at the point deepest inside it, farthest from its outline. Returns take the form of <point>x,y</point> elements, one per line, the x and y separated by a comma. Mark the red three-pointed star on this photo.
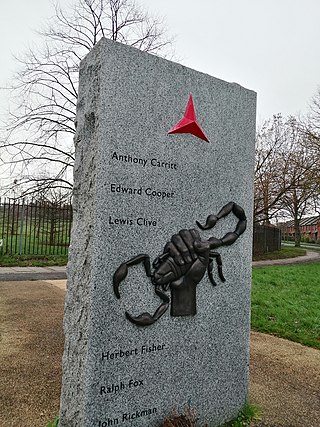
<point>189,124</point>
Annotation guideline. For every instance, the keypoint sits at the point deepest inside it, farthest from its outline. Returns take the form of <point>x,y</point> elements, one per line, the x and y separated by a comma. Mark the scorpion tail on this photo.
<point>210,223</point>
<point>145,319</point>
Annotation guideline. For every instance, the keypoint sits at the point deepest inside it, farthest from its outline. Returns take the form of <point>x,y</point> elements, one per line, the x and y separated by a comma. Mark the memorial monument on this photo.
<point>158,296</point>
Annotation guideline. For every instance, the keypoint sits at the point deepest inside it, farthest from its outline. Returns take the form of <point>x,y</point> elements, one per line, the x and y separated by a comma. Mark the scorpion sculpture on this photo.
<point>182,265</point>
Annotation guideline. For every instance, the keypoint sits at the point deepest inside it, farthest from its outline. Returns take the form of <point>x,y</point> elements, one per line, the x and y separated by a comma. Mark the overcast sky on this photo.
<point>270,46</point>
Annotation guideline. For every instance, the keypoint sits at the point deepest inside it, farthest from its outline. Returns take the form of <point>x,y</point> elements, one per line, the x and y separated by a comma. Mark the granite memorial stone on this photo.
<point>158,298</point>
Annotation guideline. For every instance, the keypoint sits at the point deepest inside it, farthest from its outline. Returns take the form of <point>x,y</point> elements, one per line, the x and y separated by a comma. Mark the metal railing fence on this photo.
<point>34,227</point>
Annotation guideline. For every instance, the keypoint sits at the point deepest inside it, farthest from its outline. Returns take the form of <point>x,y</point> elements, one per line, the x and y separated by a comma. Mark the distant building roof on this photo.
<point>311,220</point>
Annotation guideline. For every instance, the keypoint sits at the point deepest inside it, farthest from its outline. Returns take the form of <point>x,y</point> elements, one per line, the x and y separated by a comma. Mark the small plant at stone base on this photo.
<point>188,419</point>
<point>53,423</point>
<point>247,414</point>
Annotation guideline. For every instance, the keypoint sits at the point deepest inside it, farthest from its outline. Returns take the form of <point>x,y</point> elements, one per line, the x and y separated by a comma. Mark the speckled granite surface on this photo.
<point>136,186</point>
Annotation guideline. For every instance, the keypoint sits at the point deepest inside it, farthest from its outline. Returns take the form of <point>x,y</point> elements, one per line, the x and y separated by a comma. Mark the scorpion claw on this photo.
<point>118,276</point>
<point>145,319</point>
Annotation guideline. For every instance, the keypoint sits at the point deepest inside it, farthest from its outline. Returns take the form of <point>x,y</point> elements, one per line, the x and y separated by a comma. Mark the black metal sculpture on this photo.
<point>182,265</point>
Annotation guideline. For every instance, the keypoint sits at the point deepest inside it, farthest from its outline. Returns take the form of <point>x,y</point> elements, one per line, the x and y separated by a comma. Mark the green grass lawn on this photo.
<point>41,236</point>
<point>36,243</point>
<point>32,260</point>
<point>286,302</point>
<point>285,252</point>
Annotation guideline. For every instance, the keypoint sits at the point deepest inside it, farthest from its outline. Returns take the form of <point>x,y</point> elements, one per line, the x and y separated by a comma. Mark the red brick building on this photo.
<point>309,227</point>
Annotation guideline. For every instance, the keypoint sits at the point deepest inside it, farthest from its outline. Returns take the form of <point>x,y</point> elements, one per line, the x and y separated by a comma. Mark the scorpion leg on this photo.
<point>210,268</point>
<point>122,271</point>
<point>217,256</point>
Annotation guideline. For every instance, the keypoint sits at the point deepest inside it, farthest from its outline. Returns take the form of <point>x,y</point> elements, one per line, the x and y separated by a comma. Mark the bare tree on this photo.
<point>269,140</point>
<point>311,124</point>
<point>39,134</point>
<point>272,149</point>
<point>309,127</point>
<point>287,172</point>
<point>303,172</point>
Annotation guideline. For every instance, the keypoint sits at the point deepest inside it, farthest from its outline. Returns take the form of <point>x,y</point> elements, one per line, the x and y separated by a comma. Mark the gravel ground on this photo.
<point>285,381</point>
<point>285,376</point>
<point>31,345</point>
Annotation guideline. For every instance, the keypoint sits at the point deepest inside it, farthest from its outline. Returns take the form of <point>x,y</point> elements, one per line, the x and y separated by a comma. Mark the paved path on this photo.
<point>310,256</point>
<point>50,273</point>
<point>32,273</point>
